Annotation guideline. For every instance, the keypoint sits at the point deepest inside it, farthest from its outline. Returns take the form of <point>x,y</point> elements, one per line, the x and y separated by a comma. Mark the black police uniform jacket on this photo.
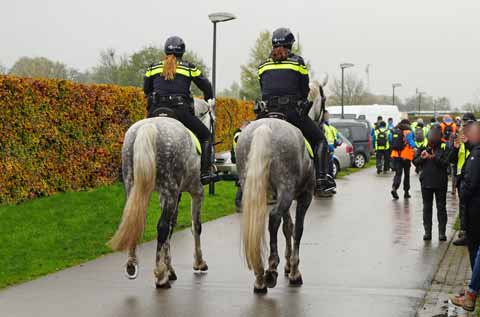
<point>284,78</point>
<point>186,72</point>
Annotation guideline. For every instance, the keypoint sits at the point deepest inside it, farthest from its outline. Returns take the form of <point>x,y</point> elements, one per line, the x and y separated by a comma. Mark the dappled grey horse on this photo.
<point>160,155</point>
<point>274,169</point>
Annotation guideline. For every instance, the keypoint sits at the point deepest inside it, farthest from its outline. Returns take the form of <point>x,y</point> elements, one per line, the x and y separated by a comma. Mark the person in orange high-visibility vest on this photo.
<point>403,149</point>
<point>448,127</point>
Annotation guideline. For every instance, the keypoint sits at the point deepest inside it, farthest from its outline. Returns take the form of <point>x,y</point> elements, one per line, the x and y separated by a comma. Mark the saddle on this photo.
<point>165,112</point>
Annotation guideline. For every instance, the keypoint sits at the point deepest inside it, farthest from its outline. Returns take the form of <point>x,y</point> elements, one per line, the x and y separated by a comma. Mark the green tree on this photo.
<point>250,87</point>
<point>39,67</point>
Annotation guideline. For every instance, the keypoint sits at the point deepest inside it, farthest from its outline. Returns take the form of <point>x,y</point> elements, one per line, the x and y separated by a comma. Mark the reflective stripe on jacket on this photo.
<point>387,136</point>
<point>330,134</point>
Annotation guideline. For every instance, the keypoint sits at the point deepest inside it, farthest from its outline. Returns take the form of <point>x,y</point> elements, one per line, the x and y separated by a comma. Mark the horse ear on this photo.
<point>314,90</point>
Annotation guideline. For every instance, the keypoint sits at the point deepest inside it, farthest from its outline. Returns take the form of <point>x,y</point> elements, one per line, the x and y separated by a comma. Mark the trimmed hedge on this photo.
<point>56,135</point>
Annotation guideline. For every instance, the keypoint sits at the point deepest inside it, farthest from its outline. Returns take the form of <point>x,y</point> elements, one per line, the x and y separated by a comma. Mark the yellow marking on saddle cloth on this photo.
<point>195,140</point>
<point>309,148</point>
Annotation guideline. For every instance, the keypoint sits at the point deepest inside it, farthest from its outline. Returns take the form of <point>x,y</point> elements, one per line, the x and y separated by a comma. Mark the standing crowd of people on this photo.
<point>438,150</point>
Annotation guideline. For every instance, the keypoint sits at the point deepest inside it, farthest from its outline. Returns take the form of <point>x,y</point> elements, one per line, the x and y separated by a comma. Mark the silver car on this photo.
<point>343,155</point>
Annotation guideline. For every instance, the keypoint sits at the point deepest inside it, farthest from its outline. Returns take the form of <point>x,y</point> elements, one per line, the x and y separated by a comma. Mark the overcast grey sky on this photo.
<point>430,44</point>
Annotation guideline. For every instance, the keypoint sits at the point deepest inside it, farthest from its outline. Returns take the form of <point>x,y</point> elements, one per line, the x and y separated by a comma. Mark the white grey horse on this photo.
<point>159,155</point>
<point>316,97</point>
<point>274,169</point>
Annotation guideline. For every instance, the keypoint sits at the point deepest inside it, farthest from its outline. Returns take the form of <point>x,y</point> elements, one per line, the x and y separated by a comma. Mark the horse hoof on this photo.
<point>203,267</point>
<point>260,291</point>
<point>131,271</point>
<point>271,278</point>
<point>172,276</point>
<point>163,286</point>
<point>296,281</point>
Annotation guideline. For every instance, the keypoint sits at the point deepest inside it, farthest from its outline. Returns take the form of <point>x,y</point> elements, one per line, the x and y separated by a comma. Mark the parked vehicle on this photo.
<point>343,155</point>
<point>369,112</point>
<point>358,133</point>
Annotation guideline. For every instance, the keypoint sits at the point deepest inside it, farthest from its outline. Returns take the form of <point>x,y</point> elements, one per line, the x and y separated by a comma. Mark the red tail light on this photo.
<point>349,149</point>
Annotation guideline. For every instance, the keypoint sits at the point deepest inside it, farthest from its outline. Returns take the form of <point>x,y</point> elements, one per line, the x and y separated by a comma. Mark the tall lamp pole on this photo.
<point>343,66</point>
<point>394,85</point>
<point>215,18</point>
<point>420,93</point>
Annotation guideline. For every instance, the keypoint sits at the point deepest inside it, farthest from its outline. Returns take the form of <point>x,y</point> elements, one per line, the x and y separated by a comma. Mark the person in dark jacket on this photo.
<point>470,194</point>
<point>432,161</point>
<point>459,155</point>
<point>284,86</point>
<point>167,85</point>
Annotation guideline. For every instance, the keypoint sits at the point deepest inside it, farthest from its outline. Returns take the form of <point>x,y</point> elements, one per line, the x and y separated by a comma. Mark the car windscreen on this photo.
<point>359,134</point>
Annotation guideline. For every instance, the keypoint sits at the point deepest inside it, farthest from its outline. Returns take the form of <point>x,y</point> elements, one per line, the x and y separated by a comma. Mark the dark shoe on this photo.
<point>385,172</point>
<point>427,236</point>
<point>461,240</point>
<point>406,195</point>
<point>394,194</point>
<point>378,172</point>
<point>442,236</point>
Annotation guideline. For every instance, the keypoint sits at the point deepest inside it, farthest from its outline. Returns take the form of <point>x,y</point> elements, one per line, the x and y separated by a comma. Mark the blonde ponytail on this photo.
<point>169,67</point>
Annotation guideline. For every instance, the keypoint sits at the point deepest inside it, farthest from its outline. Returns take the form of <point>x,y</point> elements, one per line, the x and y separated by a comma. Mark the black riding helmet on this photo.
<point>174,45</point>
<point>283,37</point>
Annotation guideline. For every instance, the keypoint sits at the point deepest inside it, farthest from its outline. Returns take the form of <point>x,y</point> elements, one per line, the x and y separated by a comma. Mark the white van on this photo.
<point>370,112</point>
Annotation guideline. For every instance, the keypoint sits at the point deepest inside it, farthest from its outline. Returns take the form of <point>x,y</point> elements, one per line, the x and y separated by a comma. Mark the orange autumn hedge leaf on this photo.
<point>57,135</point>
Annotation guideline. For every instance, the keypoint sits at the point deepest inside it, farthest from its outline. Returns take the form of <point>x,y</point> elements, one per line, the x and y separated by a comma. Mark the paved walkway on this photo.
<point>362,255</point>
<point>452,273</point>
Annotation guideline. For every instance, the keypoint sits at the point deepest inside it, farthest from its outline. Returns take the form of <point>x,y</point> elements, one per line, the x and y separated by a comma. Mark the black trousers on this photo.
<point>401,166</point>
<point>383,160</point>
<point>441,202</point>
<point>310,130</point>
<point>472,246</point>
<point>186,116</point>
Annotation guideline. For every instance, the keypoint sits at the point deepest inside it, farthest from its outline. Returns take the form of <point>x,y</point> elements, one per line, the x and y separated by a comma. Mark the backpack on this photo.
<point>398,140</point>
<point>382,138</point>
<point>419,135</point>
<point>447,132</point>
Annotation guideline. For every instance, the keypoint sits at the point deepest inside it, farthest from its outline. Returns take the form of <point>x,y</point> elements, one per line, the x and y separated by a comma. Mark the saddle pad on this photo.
<point>309,148</point>
<point>196,142</point>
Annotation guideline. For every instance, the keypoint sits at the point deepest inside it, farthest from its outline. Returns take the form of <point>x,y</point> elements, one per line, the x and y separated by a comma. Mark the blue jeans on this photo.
<point>474,285</point>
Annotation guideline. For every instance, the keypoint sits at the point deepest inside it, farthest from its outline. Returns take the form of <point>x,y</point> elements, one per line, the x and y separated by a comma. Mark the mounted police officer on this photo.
<point>167,85</point>
<point>284,85</point>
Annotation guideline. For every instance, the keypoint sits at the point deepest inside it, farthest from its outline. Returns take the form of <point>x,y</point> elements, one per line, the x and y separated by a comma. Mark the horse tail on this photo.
<point>144,172</point>
<point>254,200</point>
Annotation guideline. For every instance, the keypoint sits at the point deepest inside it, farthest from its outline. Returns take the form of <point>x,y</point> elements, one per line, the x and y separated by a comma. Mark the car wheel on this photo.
<point>360,160</point>
<point>336,168</point>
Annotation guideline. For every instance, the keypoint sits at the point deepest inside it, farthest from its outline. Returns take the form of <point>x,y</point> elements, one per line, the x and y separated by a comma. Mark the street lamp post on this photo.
<point>394,85</point>
<point>419,93</point>
<point>343,66</point>
<point>216,17</point>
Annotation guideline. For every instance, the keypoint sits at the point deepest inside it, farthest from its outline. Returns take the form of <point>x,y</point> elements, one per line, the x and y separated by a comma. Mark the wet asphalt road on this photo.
<point>362,254</point>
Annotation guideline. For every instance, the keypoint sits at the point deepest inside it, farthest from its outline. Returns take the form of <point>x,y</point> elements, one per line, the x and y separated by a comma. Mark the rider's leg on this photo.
<point>317,140</point>
<point>203,134</point>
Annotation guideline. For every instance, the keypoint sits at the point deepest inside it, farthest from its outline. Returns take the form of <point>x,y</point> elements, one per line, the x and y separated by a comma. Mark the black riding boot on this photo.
<point>324,185</point>
<point>205,164</point>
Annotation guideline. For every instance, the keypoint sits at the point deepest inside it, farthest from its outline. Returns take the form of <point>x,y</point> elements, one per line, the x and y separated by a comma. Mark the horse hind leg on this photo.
<point>273,260</point>
<point>303,202</point>
<point>172,276</point>
<point>288,232</point>
<point>164,229</point>
<point>199,263</point>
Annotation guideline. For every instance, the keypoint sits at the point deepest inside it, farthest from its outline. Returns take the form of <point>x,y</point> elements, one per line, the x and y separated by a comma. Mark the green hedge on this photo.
<point>56,135</point>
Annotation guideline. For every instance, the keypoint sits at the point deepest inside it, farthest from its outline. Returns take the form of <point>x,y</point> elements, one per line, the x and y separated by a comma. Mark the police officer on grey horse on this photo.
<point>284,84</point>
<point>167,85</point>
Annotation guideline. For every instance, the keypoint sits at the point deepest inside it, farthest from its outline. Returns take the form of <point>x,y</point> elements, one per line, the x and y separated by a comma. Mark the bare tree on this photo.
<point>354,90</point>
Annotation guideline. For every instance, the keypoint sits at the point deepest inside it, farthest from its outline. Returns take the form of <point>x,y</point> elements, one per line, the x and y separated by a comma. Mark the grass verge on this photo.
<point>350,170</point>
<point>49,234</point>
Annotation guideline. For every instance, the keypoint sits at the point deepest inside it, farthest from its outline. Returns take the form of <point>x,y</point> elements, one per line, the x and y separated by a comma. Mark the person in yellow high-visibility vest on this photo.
<point>381,141</point>
<point>333,140</point>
